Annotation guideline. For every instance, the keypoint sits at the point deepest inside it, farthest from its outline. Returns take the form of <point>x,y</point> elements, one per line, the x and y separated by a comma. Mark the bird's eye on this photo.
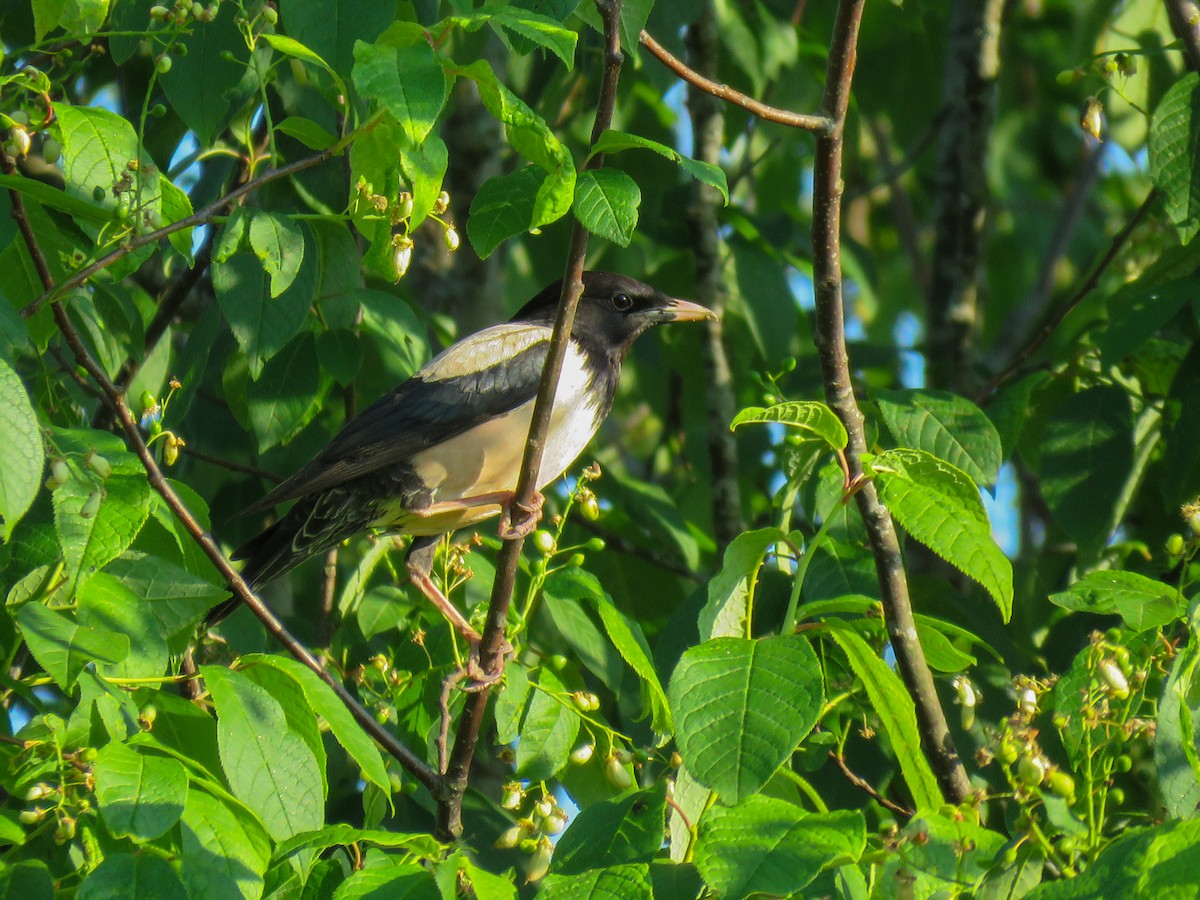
<point>621,302</point>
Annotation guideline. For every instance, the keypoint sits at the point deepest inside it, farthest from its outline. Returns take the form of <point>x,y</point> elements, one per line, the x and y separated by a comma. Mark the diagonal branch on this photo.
<point>491,651</point>
<point>839,393</point>
<point>819,124</point>
<point>113,396</point>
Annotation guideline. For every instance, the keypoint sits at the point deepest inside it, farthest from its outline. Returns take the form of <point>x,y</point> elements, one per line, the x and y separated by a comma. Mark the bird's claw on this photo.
<point>480,678</point>
<point>518,520</point>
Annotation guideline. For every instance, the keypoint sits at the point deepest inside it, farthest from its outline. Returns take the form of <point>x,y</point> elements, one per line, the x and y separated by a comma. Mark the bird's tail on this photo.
<point>309,528</point>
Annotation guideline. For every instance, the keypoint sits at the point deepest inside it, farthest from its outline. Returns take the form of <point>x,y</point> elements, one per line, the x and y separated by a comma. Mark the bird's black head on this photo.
<point>613,310</point>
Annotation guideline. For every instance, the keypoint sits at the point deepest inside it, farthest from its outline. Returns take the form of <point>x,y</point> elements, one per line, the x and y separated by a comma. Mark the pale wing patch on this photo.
<point>482,349</point>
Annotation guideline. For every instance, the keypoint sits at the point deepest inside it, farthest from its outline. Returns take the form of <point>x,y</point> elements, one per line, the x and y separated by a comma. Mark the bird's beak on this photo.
<point>686,311</point>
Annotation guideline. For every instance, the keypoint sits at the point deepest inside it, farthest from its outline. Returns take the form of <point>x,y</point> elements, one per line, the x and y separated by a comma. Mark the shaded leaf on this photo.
<point>21,454</point>
<point>945,425</point>
<point>139,795</point>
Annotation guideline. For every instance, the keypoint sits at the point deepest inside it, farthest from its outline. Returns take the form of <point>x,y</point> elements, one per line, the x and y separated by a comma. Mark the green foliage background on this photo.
<point>684,715</point>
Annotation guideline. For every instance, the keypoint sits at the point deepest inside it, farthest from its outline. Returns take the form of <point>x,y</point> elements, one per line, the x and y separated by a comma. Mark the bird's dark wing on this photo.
<point>482,376</point>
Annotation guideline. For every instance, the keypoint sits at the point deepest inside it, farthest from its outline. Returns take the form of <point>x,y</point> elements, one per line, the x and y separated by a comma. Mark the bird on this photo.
<point>443,450</point>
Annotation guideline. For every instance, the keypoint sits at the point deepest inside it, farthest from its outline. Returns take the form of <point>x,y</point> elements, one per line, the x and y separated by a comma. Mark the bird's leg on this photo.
<point>419,563</point>
<point>525,521</point>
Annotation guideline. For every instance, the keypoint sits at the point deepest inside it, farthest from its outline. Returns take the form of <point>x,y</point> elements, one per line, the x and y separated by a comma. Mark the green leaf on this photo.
<point>894,707</point>
<point>1087,453</point>
<point>542,31</point>
<point>307,132</point>
<point>263,325</point>
<point>278,243</point>
<point>288,394</point>
<point>1161,862</point>
<point>503,208</point>
<point>627,829</point>
<point>742,706</point>
<point>139,795</point>
<point>1142,602</point>
<point>89,542</point>
<point>98,146</point>
<point>106,603</point>
<point>289,46</point>
<point>631,882</point>
<point>332,27</point>
<point>407,881</point>
<point>28,879</point>
<point>76,207</point>
<point>202,82</point>
<point>269,766</point>
<point>63,647</point>
<point>1177,731</point>
<point>406,81</point>
<point>325,703</point>
<point>706,173</point>
<point>606,203</point>
<point>765,845</point>
<point>175,598</point>
<point>945,425</point>
<point>731,590</point>
<point>939,505</point>
<point>511,699</point>
<point>122,876</point>
<point>548,729</point>
<point>815,421</point>
<point>1138,310</point>
<point>176,205</point>
<point>1175,154</point>
<point>225,848</point>
<point>21,454</point>
<point>340,835</point>
<point>626,635</point>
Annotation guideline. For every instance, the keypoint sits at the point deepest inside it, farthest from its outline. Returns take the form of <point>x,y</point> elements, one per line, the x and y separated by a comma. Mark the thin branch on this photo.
<point>708,129</point>
<point>202,217</point>
<point>866,787</point>
<point>231,465</point>
<point>493,645</point>
<point>830,339</point>
<point>1185,22</point>
<point>1014,367</point>
<point>818,124</point>
<point>409,760</point>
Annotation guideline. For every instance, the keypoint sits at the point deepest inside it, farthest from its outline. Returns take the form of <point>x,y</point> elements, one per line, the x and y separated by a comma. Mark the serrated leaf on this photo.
<point>406,81</point>
<point>894,707</point>
<point>21,453</point>
<point>729,591</point>
<point>815,421</point>
<point>63,647</point>
<point>307,132</point>
<point>542,31</point>
<point>706,173</point>
<point>139,795</point>
<point>270,767</point>
<point>742,706</point>
<point>626,829</point>
<point>945,425</point>
<point>122,876</point>
<point>105,603</point>
<point>503,208</point>
<point>548,729</point>
<point>939,506</point>
<point>176,206</point>
<point>606,203</point>
<point>288,394</point>
<point>98,147</point>
<point>325,703</point>
<point>630,882</point>
<point>1174,145</point>
<point>765,845</point>
<point>1142,602</point>
<point>278,243</point>
<point>575,584</point>
<point>225,849</point>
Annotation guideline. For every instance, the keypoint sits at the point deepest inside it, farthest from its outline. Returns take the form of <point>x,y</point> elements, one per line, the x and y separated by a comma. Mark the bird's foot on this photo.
<point>518,520</point>
<point>480,678</point>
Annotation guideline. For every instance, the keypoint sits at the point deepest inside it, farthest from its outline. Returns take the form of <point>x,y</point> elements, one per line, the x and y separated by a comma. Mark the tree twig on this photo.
<point>231,465</point>
<point>863,785</point>
<point>491,651</point>
<point>818,124</point>
<point>830,339</point>
<point>416,766</point>
<point>1185,23</point>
